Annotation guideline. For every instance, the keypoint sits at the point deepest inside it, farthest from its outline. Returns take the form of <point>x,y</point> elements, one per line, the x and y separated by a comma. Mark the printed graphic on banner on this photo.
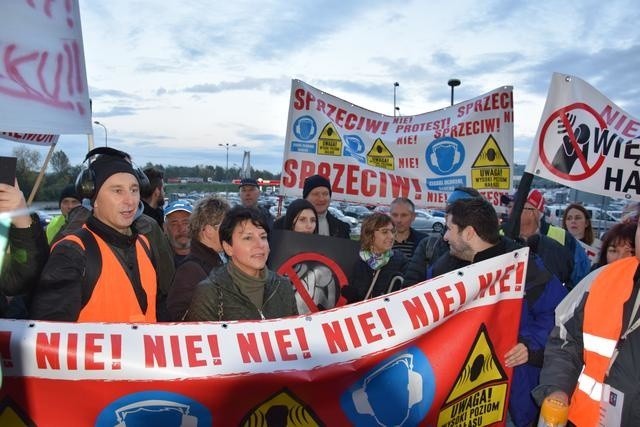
<point>380,156</point>
<point>586,142</point>
<point>154,408</point>
<point>305,130</point>
<point>354,147</point>
<point>398,391</point>
<point>318,267</point>
<point>564,142</point>
<point>445,155</point>
<point>490,169</point>
<point>12,415</point>
<point>479,393</point>
<point>329,142</point>
<point>283,409</point>
<point>420,157</point>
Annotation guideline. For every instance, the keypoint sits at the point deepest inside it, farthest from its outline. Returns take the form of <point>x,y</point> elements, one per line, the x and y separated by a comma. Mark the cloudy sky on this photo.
<point>173,79</point>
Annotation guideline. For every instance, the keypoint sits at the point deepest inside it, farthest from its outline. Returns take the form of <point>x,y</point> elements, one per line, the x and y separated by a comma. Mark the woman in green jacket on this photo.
<point>244,288</point>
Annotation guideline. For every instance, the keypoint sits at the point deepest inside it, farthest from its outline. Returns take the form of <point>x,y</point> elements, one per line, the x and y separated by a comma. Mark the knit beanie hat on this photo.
<point>315,181</point>
<point>106,165</point>
<point>294,209</point>
<point>69,191</point>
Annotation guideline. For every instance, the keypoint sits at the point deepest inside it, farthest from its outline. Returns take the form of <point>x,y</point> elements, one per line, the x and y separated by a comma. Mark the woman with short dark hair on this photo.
<point>243,289</point>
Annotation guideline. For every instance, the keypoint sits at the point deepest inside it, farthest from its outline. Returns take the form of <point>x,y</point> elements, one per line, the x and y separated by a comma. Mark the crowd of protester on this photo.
<point>117,254</point>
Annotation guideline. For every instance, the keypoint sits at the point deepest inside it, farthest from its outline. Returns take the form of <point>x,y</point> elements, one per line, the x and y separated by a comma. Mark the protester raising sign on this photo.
<point>43,88</point>
<point>586,142</point>
<point>431,354</point>
<point>373,158</point>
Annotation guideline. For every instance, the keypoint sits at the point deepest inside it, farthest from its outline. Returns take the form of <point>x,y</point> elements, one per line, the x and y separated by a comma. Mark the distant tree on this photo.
<point>60,163</point>
<point>27,167</point>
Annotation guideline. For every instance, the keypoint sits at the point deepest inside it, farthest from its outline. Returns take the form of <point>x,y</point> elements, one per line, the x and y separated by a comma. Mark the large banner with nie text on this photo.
<point>373,158</point>
<point>431,354</point>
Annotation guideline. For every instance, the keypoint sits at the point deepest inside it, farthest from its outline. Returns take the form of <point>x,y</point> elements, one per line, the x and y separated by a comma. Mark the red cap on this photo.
<point>536,199</point>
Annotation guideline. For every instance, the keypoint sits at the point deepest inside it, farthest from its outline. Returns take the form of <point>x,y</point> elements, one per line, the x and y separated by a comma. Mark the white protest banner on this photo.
<point>31,138</point>
<point>43,82</point>
<point>390,358</point>
<point>372,158</point>
<point>586,142</point>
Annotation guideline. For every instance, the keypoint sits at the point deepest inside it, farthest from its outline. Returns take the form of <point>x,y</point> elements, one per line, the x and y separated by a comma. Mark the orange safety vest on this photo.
<point>601,330</point>
<point>113,298</point>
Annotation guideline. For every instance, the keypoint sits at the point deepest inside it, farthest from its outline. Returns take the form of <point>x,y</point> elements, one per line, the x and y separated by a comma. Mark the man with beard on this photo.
<point>473,234</point>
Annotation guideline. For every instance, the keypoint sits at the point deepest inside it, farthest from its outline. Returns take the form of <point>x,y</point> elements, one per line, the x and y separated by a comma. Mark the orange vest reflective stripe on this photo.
<point>601,330</point>
<point>113,298</point>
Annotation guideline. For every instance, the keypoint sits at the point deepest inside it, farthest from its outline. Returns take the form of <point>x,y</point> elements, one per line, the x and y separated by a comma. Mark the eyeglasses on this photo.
<point>530,209</point>
<point>387,231</point>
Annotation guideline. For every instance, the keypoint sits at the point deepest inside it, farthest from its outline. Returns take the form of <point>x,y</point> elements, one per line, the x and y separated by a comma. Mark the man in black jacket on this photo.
<point>317,190</point>
<point>104,271</point>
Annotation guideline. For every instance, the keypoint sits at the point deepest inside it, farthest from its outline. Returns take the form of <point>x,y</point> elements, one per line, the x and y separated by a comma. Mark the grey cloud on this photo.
<point>113,93</point>
<point>273,85</point>
<point>116,111</point>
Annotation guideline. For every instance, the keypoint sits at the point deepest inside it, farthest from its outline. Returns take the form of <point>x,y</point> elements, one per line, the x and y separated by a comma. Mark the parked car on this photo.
<point>342,217</point>
<point>428,223</point>
<point>357,211</point>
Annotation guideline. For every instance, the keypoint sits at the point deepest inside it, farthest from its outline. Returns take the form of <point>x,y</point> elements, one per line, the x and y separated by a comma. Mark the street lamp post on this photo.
<point>395,87</point>
<point>105,131</point>
<point>453,83</point>
<point>227,146</point>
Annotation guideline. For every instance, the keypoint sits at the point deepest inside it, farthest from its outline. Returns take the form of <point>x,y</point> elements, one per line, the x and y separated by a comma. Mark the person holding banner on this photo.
<point>473,234</point>
<point>380,268</point>
<point>244,288</point>
<point>556,257</point>
<point>26,255</point>
<point>317,190</point>
<point>432,247</point>
<point>592,358</point>
<point>104,271</point>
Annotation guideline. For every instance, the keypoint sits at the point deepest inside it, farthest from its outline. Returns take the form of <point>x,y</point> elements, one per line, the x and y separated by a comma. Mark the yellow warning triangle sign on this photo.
<point>490,155</point>
<point>380,156</point>
<point>480,367</point>
<point>329,141</point>
<point>378,149</point>
<point>281,407</point>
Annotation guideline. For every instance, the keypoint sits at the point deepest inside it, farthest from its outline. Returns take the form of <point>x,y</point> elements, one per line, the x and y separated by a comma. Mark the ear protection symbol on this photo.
<point>414,387</point>
<point>446,146</point>
<point>86,179</point>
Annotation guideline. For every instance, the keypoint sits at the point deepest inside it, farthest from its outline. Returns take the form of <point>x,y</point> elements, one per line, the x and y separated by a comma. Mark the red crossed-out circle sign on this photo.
<point>288,269</point>
<point>562,116</point>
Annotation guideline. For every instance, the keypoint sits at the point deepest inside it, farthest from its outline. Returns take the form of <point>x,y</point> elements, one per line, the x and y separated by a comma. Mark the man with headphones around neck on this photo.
<point>107,246</point>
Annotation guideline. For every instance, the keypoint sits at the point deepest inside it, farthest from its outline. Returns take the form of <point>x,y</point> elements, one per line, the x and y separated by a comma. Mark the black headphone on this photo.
<point>86,179</point>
